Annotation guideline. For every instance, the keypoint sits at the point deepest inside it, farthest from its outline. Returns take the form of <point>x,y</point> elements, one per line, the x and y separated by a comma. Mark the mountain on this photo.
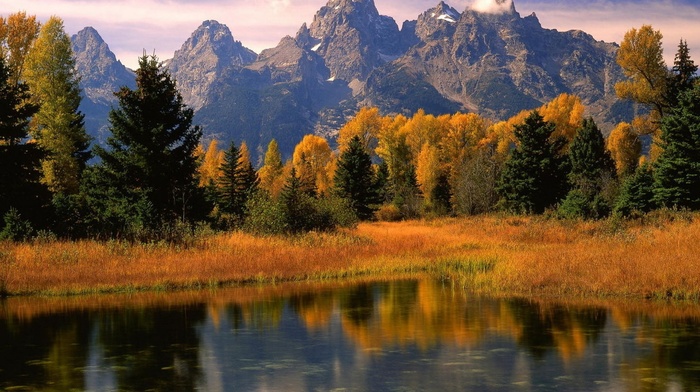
<point>495,64</point>
<point>101,74</point>
<point>203,58</point>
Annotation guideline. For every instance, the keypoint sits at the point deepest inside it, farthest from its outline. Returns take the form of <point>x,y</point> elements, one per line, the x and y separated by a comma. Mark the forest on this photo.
<point>155,180</point>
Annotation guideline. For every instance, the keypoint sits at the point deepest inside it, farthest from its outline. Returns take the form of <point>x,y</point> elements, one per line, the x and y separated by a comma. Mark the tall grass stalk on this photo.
<point>495,254</point>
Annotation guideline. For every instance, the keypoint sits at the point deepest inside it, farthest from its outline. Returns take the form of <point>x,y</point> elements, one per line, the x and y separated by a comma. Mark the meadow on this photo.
<point>654,257</point>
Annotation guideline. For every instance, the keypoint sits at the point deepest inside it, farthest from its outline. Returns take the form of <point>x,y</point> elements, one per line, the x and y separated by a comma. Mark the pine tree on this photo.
<point>590,159</point>
<point>148,173</point>
<point>20,186</point>
<point>677,170</point>
<point>636,193</point>
<point>534,178</point>
<point>683,73</point>
<point>591,167</point>
<point>58,126</point>
<point>354,179</point>
<point>237,182</point>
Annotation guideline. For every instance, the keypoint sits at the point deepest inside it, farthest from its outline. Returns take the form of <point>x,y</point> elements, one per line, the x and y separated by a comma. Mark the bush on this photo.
<point>268,216</point>
<point>16,228</point>
<point>388,213</point>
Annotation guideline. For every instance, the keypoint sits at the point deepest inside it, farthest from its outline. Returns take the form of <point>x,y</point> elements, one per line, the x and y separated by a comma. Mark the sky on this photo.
<point>161,26</point>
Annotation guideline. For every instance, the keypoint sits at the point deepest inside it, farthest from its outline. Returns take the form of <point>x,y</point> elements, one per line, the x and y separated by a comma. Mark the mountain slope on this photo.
<point>101,75</point>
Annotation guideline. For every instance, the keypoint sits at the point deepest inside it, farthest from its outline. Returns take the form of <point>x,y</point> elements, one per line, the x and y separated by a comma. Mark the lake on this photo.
<point>405,335</point>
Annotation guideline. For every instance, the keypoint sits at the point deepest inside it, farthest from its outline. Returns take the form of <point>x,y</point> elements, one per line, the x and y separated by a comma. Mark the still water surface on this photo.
<point>412,335</point>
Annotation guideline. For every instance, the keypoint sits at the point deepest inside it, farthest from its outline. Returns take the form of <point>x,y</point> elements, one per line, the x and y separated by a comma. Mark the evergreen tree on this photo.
<point>354,179</point>
<point>592,168</point>
<point>590,160</point>
<point>20,186</point>
<point>58,126</point>
<point>534,178</point>
<point>683,73</point>
<point>677,170</point>
<point>636,193</point>
<point>148,173</point>
<point>237,182</point>
<point>296,205</point>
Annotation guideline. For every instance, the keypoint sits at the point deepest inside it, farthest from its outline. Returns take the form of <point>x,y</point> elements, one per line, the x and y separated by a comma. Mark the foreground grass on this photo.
<point>490,254</point>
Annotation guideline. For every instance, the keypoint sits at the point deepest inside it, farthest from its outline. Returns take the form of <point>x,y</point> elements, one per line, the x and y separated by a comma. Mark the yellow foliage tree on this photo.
<point>17,34</point>
<point>641,58</point>
<point>366,124</point>
<point>566,113</point>
<point>625,148</point>
<point>271,174</point>
<point>311,160</point>
<point>428,171</point>
<point>211,160</point>
<point>423,128</point>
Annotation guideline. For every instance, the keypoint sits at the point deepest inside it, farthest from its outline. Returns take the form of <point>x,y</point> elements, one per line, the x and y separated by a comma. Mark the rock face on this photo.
<point>101,75</point>
<point>492,63</point>
<point>203,58</point>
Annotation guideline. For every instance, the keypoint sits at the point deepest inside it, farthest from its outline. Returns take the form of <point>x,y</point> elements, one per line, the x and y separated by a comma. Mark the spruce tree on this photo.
<point>148,173</point>
<point>591,167</point>
<point>636,193</point>
<point>534,178</point>
<point>677,170</point>
<point>237,182</point>
<point>20,174</point>
<point>682,74</point>
<point>354,179</point>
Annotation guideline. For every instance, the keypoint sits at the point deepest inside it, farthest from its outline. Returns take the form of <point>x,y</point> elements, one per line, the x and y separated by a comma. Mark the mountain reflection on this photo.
<point>412,334</point>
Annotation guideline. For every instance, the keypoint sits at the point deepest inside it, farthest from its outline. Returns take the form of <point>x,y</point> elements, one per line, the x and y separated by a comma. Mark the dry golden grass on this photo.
<point>494,254</point>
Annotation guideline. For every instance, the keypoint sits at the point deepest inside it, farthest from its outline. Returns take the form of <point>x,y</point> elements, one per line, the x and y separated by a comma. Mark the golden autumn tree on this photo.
<point>17,34</point>
<point>428,171</point>
<point>566,113</point>
<point>311,159</point>
<point>211,160</point>
<point>366,124</point>
<point>625,148</point>
<point>641,58</point>
<point>271,174</point>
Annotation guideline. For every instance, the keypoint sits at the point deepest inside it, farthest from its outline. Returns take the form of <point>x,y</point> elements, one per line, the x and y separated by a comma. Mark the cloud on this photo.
<point>492,6</point>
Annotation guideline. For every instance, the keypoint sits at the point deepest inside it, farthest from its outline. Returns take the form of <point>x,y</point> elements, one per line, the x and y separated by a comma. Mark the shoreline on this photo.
<point>493,254</point>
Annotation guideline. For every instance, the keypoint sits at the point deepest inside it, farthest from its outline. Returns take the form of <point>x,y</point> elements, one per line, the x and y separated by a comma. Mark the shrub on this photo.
<point>16,228</point>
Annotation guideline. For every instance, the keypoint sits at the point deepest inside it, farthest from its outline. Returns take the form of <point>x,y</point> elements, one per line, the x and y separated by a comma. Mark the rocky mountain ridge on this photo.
<point>350,56</point>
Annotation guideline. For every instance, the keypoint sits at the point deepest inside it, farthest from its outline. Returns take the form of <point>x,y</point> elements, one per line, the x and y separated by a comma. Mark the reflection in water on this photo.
<point>401,335</point>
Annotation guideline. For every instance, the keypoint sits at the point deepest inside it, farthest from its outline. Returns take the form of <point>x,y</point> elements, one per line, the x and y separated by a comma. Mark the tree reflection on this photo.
<point>153,348</point>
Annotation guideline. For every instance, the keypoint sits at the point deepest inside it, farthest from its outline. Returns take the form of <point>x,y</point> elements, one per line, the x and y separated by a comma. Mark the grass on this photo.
<point>500,255</point>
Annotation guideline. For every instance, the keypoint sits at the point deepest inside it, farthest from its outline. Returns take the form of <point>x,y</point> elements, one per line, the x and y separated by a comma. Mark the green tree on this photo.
<point>236,184</point>
<point>148,173</point>
<point>636,193</point>
<point>20,186</point>
<point>590,160</point>
<point>592,168</point>
<point>677,170</point>
<point>534,178</point>
<point>58,126</point>
<point>682,74</point>
<point>355,180</point>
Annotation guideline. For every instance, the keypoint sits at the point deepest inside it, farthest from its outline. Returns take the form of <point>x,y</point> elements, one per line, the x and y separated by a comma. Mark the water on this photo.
<point>413,335</point>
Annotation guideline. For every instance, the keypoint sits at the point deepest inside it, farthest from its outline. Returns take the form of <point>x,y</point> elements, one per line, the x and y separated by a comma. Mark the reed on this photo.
<point>496,254</point>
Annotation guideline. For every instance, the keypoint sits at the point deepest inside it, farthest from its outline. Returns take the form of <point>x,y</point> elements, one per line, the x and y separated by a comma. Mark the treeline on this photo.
<point>153,179</point>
